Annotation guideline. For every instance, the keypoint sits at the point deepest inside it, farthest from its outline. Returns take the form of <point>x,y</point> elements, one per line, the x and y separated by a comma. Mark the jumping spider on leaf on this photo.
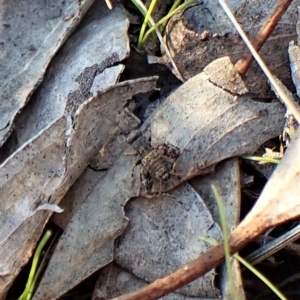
<point>157,166</point>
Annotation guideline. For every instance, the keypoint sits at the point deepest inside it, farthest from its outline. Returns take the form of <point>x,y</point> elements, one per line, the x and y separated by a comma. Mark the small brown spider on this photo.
<point>157,166</point>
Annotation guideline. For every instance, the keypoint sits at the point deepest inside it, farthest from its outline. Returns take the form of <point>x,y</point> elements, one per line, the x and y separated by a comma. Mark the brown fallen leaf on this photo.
<point>203,33</point>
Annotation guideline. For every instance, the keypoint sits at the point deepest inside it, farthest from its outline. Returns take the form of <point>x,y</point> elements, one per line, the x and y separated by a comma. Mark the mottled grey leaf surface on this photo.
<point>209,124</point>
<point>164,234</point>
<point>83,66</point>
<point>30,35</point>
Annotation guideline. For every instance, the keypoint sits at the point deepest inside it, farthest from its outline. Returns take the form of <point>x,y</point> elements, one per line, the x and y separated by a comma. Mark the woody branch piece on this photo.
<point>244,63</point>
<point>196,268</point>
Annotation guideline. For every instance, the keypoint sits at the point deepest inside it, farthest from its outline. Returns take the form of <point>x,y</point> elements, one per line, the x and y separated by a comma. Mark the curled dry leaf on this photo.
<point>206,123</point>
<point>24,56</point>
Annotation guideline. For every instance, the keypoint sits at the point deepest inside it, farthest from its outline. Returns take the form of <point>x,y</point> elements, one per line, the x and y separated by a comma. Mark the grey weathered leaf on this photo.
<point>209,124</point>
<point>87,244</point>
<point>164,234</point>
<point>197,116</point>
<point>153,236</point>
<point>28,179</point>
<point>81,67</point>
<point>294,54</point>
<point>227,179</point>
<point>44,169</point>
<point>31,33</point>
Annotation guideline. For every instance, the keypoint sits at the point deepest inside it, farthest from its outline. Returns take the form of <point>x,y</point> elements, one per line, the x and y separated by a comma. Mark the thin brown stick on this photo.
<point>207,261</point>
<point>244,63</point>
<point>198,267</point>
<point>241,236</point>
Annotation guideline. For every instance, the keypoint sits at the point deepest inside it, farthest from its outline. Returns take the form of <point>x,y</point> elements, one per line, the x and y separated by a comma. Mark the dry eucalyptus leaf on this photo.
<point>203,33</point>
<point>31,33</point>
<point>91,246</point>
<point>87,244</point>
<point>115,281</point>
<point>206,123</point>
<point>279,200</point>
<point>27,180</point>
<point>81,67</point>
<point>227,178</point>
<point>76,195</point>
<point>44,169</point>
<point>164,234</point>
<point>124,121</point>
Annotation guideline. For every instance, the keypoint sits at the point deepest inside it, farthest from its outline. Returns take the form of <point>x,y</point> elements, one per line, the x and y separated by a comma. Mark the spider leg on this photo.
<point>137,162</point>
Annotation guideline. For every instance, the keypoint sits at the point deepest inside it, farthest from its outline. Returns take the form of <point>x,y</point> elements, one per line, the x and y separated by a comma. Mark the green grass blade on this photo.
<point>41,267</point>
<point>260,276</point>
<point>226,243</point>
<point>143,10</point>
<point>262,159</point>
<point>166,18</point>
<point>146,20</point>
<point>35,261</point>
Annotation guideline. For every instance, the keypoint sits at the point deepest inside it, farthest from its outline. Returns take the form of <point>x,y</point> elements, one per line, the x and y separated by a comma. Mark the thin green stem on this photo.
<point>41,267</point>
<point>267,282</point>
<point>262,159</point>
<point>165,18</point>
<point>174,6</point>
<point>222,215</point>
<point>146,20</point>
<point>35,261</point>
<point>142,9</point>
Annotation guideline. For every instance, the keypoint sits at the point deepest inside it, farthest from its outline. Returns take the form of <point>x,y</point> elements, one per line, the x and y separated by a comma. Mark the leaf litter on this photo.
<point>124,164</point>
<point>103,207</point>
<point>260,218</point>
